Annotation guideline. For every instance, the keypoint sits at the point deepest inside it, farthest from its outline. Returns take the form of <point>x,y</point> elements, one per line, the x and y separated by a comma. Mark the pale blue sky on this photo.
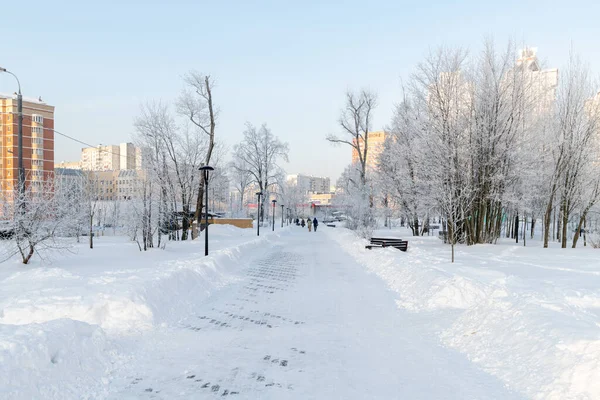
<point>286,64</point>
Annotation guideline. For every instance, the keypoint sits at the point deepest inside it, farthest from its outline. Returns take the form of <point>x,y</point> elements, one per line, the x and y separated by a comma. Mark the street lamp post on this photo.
<point>273,201</point>
<point>282,215</point>
<point>258,194</point>
<point>21,170</point>
<point>205,171</point>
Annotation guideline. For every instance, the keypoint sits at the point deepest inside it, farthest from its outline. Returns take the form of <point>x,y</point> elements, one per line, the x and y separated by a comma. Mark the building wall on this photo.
<point>128,183</point>
<point>101,158</point>
<point>127,152</point>
<point>68,165</point>
<point>321,198</point>
<point>104,184</point>
<point>310,184</point>
<point>38,142</point>
<point>375,142</point>
<point>111,157</point>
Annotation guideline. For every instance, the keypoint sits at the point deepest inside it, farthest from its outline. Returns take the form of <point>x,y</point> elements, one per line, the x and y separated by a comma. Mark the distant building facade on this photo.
<point>128,183</point>
<point>38,142</point>
<point>68,165</point>
<point>310,184</point>
<point>124,156</point>
<point>68,179</point>
<point>375,142</point>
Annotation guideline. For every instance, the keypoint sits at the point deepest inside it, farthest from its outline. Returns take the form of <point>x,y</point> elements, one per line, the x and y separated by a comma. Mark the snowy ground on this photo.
<point>301,315</point>
<point>527,315</point>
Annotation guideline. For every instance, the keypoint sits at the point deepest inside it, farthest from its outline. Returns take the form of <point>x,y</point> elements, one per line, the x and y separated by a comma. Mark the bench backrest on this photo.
<point>386,240</point>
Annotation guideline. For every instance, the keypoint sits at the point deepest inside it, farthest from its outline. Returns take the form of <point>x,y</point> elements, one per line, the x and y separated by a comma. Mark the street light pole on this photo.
<point>273,201</point>
<point>21,170</point>
<point>205,171</point>
<point>282,215</point>
<point>258,194</point>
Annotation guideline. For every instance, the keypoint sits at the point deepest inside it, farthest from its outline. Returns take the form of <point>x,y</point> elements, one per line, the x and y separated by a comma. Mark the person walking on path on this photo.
<point>315,223</point>
<point>309,223</point>
<point>302,223</point>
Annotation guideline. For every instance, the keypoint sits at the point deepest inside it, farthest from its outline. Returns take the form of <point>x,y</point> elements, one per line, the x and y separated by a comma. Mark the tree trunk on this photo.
<point>516,230</point>
<point>553,225</point>
<point>565,222</point>
<point>91,232</point>
<point>525,229</point>
<point>547,217</point>
<point>558,224</point>
<point>29,255</point>
<point>584,232</point>
<point>415,227</point>
<point>451,238</point>
<point>578,230</point>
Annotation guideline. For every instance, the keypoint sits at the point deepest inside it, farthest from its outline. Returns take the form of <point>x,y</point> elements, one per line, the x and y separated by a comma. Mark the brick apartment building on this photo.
<point>38,142</point>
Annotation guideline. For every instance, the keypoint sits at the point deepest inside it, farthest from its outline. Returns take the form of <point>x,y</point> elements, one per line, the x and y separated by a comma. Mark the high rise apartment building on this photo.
<point>310,184</point>
<point>124,156</point>
<point>375,142</point>
<point>101,158</point>
<point>38,142</point>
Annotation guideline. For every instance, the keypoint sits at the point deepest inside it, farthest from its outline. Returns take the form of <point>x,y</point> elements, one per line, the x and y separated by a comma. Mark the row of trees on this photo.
<point>176,140</point>
<point>256,164</point>
<point>480,140</point>
<point>176,144</point>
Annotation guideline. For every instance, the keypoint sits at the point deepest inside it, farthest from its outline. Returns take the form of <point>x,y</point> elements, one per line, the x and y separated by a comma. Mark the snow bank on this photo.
<point>419,286</point>
<point>55,321</point>
<point>519,313</point>
<point>129,293</point>
<point>54,360</point>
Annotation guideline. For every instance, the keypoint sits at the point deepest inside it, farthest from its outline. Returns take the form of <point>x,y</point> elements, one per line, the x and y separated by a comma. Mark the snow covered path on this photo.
<point>304,321</point>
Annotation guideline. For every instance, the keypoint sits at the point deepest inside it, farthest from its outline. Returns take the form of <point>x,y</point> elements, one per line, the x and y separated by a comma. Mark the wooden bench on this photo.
<point>399,244</point>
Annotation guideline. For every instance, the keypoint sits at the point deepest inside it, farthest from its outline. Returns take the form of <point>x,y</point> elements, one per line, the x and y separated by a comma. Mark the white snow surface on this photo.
<point>527,315</point>
<point>299,315</point>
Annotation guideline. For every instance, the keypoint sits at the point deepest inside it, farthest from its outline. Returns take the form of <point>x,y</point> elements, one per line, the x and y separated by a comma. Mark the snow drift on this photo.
<point>523,315</point>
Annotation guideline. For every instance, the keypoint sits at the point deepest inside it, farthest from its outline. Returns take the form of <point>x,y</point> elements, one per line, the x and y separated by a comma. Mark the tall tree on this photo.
<point>356,122</point>
<point>259,154</point>
<point>197,104</point>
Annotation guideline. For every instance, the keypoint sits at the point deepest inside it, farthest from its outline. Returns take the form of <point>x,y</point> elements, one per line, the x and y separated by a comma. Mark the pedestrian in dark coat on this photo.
<point>297,222</point>
<point>315,223</point>
<point>302,223</point>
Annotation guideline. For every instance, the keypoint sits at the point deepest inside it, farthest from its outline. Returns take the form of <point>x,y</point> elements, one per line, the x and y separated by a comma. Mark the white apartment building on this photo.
<point>310,184</point>
<point>124,156</point>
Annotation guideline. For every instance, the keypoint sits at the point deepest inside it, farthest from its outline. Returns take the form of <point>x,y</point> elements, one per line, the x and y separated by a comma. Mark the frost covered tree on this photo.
<point>571,148</point>
<point>38,220</point>
<point>90,199</point>
<point>175,154</point>
<point>196,104</point>
<point>356,119</point>
<point>260,154</point>
<point>489,141</point>
<point>140,218</point>
<point>294,197</point>
<point>241,180</point>
<point>401,172</point>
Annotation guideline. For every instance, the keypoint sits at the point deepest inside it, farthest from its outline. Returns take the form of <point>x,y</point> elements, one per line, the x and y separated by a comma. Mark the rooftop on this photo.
<point>25,98</point>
